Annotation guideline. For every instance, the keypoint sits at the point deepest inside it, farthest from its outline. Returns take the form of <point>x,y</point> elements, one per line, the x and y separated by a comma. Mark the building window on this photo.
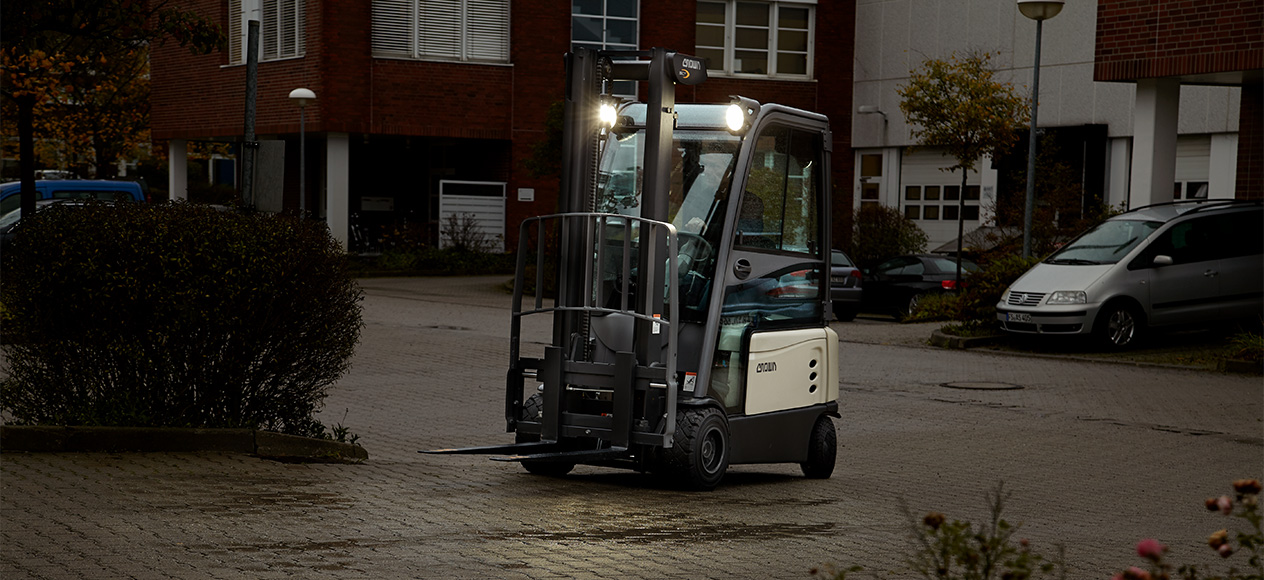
<point>460,30</point>
<point>772,39</point>
<point>1192,190</point>
<point>282,30</point>
<point>948,210</point>
<point>607,25</point>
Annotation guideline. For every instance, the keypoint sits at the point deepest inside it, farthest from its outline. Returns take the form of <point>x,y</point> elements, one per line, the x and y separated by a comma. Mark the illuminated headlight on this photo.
<point>607,114</point>
<point>1067,297</point>
<point>735,117</point>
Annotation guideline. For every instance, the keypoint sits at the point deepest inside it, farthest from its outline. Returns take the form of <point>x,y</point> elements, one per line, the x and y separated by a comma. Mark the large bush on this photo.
<point>881,232</point>
<point>176,316</point>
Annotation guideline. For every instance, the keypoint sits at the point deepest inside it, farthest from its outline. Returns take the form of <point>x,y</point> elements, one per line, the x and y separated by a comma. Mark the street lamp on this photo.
<point>1040,11</point>
<point>300,98</point>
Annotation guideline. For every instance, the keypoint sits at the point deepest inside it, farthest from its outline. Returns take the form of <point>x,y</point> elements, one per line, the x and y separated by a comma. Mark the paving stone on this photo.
<point>1097,456</point>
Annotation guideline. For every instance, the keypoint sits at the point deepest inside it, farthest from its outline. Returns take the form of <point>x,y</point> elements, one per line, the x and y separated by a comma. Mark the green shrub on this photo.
<point>935,307</point>
<point>880,232</point>
<point>985,287</point>
<point>175,316</point>
<point>433,261</point>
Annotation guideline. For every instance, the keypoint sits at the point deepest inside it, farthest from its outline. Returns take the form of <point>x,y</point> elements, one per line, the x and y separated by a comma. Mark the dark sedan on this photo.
<point>898,284</point>
<point>846,289</point>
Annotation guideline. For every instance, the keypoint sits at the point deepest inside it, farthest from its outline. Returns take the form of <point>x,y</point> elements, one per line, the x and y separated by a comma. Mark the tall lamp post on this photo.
<point>300,98</point>
<point>1040,11</point>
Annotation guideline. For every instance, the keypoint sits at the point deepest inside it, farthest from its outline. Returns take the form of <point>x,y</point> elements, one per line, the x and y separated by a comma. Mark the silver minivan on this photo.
<point>1187,262</point>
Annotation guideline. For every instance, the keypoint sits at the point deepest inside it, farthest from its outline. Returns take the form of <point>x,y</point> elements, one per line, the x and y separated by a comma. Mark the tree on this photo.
<point>880,232</point>
<point>957,105</point>
<point>96,120</point>
<point>60,50</point>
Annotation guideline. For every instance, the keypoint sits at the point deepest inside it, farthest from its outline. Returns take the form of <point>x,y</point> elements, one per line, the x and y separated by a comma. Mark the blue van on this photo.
<point>103,189</point>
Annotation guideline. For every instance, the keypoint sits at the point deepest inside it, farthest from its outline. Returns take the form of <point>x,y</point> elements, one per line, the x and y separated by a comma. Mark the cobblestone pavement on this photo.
<point>1097,456</point>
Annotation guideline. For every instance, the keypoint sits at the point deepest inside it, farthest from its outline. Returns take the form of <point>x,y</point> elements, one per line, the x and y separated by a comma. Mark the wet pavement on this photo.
<point>1097,456</point>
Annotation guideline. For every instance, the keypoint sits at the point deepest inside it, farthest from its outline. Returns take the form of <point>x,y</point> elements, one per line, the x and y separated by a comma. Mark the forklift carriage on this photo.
<point>690,267</point>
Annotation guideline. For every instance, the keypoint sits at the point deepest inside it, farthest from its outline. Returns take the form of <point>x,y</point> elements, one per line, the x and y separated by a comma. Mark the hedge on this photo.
<point>174,315</point>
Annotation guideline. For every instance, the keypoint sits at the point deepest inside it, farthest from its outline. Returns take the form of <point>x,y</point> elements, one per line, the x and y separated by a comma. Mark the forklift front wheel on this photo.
<point>700,455</point>
<point>531,412</point>
<point>822,449</point>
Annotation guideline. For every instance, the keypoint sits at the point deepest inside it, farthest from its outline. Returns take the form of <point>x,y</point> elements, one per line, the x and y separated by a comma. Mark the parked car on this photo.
<point>10,222</point>
<point>846,286</point>
<point>898,284</point>
<point>1169,264</point>
<point>102,189</point>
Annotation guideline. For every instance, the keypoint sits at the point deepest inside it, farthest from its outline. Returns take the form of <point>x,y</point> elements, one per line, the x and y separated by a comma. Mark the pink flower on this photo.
<point>1136,573</point>
<point>1150,549</point>
<point>1225,504</point>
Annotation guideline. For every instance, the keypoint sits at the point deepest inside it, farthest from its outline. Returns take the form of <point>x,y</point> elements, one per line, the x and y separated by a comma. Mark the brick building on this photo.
<point>1162,45</point>
<point>422,105</point>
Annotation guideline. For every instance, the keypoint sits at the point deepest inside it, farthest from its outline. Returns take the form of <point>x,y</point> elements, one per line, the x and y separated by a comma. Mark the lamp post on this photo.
<point>300,98</point>
<point>1040,11</point>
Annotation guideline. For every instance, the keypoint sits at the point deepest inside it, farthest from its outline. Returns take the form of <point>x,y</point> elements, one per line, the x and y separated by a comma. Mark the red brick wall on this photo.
<point>1161,38</point>
<point>199,97</point>
<point>541,33</point>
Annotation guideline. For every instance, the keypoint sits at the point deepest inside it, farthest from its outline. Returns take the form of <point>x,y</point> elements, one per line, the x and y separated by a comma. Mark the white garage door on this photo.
<point>481,203</point>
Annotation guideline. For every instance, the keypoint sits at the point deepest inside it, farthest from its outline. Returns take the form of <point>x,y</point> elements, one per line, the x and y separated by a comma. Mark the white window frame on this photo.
<point>473,31</point>
<point>726,68</point>
<point>623,88</point>
<point>278,39</point>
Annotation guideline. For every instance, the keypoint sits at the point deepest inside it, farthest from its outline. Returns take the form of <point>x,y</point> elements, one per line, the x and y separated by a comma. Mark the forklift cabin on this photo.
<point>690,265</point>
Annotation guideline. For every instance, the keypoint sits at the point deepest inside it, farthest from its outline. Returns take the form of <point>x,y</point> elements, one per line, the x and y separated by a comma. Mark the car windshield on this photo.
<point>702,168</point>
<point>1107,243</point>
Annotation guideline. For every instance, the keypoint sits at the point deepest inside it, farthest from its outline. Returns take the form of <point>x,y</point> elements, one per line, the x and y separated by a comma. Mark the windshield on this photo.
<point>1107,243</point>
<point>702,168</point>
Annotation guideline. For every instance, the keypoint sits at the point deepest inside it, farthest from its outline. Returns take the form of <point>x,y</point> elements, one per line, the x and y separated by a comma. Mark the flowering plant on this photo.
<point>1243,505</point>
<point>956,550</point>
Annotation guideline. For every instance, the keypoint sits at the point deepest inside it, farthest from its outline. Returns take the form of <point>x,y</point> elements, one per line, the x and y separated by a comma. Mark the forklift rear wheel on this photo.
<point>531,412</point>
<point>822,450</point>
<point>700,454</point>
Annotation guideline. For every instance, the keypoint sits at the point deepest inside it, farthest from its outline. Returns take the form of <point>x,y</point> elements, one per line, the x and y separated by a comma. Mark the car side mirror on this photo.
<point>1162,261</point>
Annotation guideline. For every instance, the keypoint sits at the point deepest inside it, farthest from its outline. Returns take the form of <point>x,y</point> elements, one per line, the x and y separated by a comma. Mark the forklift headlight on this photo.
<point>735,117</point>
<point>740,114</point>
<point>607,114</point>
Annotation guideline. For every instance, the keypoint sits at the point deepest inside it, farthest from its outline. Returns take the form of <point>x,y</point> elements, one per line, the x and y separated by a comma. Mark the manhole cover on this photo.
<point>982,386</point>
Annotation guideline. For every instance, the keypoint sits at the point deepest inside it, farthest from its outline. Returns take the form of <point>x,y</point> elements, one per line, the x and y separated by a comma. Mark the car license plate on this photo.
<point>1017,317</point>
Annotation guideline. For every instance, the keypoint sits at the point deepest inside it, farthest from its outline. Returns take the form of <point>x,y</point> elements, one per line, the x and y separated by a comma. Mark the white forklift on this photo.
<point>691,277</point>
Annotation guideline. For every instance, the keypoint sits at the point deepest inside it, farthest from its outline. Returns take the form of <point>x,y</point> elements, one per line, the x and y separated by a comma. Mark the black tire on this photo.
<point>699,456</point>
<point>1119,326</point>
<point>903,311</point>
<point>844,313</point>
<point>822,450</point>
<point>531,412</point>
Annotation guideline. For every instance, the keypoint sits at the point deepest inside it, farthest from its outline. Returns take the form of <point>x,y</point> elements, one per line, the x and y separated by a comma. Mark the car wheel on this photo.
<point>531,412</point>
<point>1119,326</point>
<point>907,309</point>
<point>822,450</point>
<point>844,313</point>
<point>699,456</point>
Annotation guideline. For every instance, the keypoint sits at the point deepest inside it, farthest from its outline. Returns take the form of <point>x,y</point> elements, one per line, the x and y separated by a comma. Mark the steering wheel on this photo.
<point>695,248</point>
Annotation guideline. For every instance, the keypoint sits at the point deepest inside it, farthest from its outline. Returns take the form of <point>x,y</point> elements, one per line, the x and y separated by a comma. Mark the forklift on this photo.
<point>689,264</point>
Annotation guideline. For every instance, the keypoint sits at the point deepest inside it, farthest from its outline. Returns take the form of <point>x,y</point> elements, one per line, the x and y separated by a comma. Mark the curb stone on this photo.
<point>266,444</point>
<point>940,339</point>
